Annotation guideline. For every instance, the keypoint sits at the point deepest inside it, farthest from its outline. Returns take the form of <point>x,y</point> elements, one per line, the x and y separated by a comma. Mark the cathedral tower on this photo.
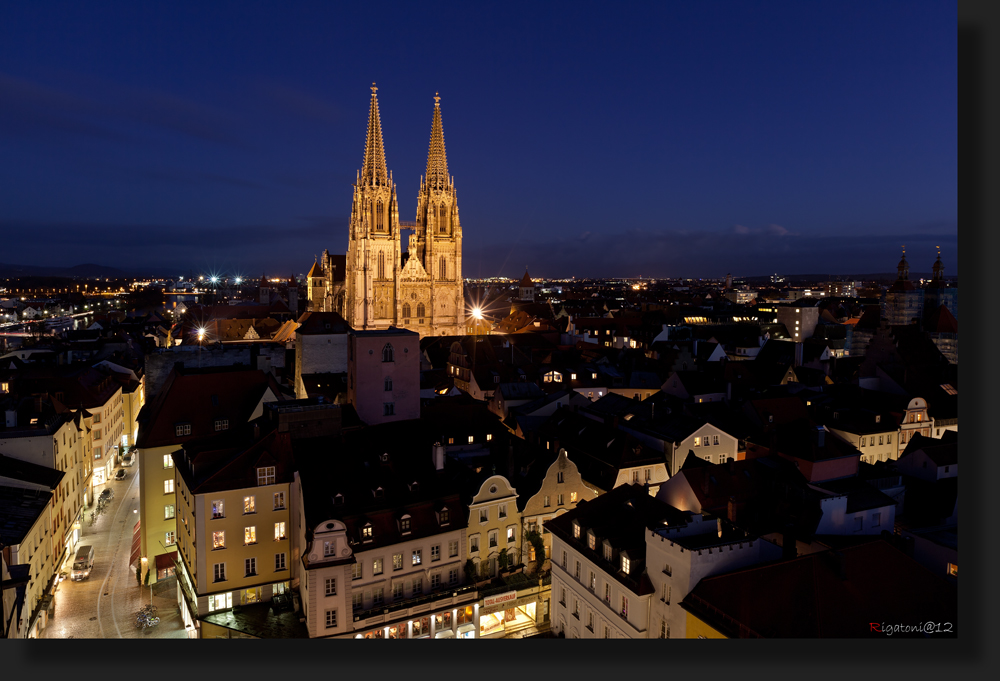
<point>373,252</point>
<point>432,296</point>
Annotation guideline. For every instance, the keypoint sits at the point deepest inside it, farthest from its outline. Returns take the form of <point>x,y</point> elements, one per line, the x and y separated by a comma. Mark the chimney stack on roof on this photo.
<point>438,456</point>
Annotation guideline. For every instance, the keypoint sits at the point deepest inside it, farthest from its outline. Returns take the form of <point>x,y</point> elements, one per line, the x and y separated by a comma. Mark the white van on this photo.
<point>128,459</point>
<point>83,563</point>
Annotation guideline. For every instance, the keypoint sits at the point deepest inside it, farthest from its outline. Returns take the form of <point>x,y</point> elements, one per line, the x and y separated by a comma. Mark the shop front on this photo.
<point>452,623</point>
<point>502,614</point>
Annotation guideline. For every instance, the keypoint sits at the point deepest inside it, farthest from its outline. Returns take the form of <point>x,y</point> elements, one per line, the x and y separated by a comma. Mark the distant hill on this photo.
<point>806,278</point>
<point>88,270</point>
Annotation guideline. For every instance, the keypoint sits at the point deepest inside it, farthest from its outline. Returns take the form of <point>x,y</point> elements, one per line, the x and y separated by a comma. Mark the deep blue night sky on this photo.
<point>587,139</point>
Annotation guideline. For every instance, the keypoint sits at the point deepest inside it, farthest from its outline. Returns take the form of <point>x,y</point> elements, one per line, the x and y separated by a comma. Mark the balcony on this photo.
<point>396,606</point>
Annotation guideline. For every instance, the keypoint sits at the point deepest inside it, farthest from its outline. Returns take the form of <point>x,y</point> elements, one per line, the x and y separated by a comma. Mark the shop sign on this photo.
<point>499,599</point>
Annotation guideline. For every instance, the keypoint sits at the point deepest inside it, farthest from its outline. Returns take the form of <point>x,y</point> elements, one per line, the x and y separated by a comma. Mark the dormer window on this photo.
<point>443,516</point>
<point>404,524</point>
<point>576,530</point>
<point>626,563</point>
<point>367,532</point>
<point>878,418</point>
<point>591,540</point>
<point>607,550</point>
<point>338,499</point>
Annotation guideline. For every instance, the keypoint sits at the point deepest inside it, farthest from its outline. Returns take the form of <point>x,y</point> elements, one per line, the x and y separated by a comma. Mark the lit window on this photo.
<point>404,525</point>
<point>435,553</point>
<point>168,461</point>
<point>168,512</point>
<point>367,532</point>
<point>625,564</point>
<point>250,535</point>
<point>510,535</point>
<point>952,569</point>
<point>170,539</point>
<point>218,509</point>
<point>279,531</point>
<point>572,497</point>
<point>444,516</point>
<point>576,530</point>
<point>249,504</point>
<point>377,566</point>
<point>489,436</point>
<point>416,557</point>
<point>356,571</point>
<point>397,561</point>
<point>168,486</point>
<point>279,501</point>
<point>219,540</point>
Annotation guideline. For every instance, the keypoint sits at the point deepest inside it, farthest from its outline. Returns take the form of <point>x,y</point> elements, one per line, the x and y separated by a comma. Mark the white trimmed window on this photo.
<point>251,566</point>
<point>168,511</point>
<point>170,539</point>
<point>249,505</point>
<point>356,571</point>
<point>218,509</point>
<point>279,501</point>
<point>168,486</point>
<point>377,566</point>
<point>250,535</point>
<point>331,586</point>
<point>436,552</point>
<point>219,572</point>
<point>331,619</point>
<point>265,476</point>
<point>168,461</point>
<point>329,549</point>
<point>416,557</point>
<point>435,581</point>
<point>279,561</point>
<point>219,540</point>
<point>221,424</point>
<point>279,531</point>
<point>397,561</point>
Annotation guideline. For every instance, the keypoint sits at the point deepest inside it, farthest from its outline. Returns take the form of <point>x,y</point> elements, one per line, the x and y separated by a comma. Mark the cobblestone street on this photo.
<point>104,605</point>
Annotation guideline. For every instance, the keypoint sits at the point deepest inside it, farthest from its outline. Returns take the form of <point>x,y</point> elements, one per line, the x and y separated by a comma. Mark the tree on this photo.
<point>470,570</point>
<point>502,559</point>
<point>536,541</point>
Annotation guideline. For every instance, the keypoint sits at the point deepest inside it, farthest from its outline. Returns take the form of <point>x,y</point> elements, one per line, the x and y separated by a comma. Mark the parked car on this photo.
<point>128,459</point>
<point>120,474</point>
<point>108,494</point>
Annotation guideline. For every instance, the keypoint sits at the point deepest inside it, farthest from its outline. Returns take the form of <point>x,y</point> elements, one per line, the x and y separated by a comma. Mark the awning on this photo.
<point>136,541</point>
<point>165,560</point>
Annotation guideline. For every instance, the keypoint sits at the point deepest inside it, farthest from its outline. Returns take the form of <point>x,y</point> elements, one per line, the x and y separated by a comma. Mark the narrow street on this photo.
<point>104,605</point>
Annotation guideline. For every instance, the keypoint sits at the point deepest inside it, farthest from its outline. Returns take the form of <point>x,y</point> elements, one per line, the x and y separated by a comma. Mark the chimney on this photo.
<point>438,456</point>
<point>732,510</point>
<point>718,524</point>
<point>256,431</point>
<point>820,436</point>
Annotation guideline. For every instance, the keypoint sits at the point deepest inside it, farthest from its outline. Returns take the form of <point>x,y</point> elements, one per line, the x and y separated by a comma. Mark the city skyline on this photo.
<point>671,142</point>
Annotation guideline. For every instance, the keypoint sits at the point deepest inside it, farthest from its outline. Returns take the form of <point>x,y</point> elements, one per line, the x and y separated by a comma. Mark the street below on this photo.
<point>105,604</point>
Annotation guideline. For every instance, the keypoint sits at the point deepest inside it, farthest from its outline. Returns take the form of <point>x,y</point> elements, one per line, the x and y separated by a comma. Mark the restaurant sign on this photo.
<point>499,599</point>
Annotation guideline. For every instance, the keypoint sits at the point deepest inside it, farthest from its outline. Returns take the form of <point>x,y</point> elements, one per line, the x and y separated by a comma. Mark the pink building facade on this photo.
<point>383,374</point>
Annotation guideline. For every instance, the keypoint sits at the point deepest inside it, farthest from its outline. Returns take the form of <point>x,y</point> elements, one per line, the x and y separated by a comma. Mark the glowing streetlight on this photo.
<point>239,280</point>
<point>201,333</point>
<point>214,280</point>
<point>477,313</point>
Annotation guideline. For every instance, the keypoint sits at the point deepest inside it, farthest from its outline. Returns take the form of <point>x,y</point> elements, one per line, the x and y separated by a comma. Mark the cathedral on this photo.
<point>379,285</point>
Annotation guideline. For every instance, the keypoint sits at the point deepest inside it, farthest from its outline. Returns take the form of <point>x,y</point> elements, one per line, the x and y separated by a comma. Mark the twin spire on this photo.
<point>373,169</point>
<point>437,162</point>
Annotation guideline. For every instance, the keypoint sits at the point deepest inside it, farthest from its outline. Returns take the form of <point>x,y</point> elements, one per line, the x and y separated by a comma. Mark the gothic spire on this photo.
<point>938,266</point>
<point>437,162</point>
<point>903,268</point>
<point>373,170</point>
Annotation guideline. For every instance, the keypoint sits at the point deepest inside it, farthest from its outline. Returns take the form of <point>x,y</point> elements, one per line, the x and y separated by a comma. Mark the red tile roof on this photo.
<point>825,595</point>
<point>199,398</point>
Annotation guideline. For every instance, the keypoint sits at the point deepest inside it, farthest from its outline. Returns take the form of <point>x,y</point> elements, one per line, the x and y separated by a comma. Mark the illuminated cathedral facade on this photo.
<point>378,285</point>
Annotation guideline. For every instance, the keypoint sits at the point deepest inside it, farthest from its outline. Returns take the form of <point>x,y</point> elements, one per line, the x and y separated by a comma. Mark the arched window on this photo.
<point>379,220</point>
<point>420,310</point>
<point>381,265</point>
<point>388,384</point>
<point>442,219</point>
<point>406,310</point>
<point>387,353</point>
<point>442,268</point>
